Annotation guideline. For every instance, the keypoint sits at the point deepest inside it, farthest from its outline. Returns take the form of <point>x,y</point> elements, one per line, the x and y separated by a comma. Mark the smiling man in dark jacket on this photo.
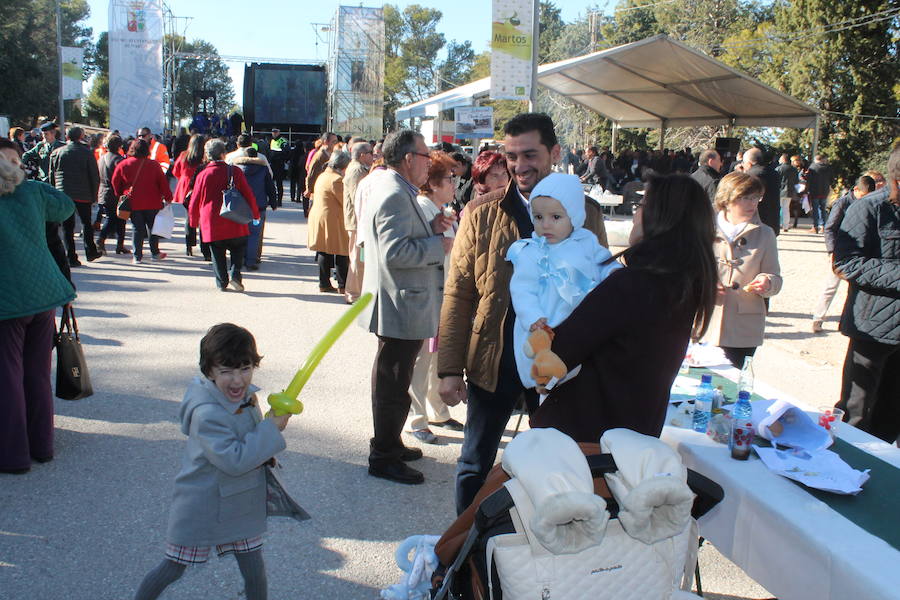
<point>867,255</point>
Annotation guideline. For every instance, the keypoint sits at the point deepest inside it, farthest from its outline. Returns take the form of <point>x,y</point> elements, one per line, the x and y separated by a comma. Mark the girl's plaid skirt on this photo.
<point>193,555</point>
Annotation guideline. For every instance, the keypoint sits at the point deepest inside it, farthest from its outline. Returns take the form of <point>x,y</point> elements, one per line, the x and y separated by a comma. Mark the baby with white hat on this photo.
<point>557,266</point>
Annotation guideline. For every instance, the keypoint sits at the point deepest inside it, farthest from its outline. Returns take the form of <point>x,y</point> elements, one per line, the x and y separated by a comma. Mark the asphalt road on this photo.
<point>90,524</point>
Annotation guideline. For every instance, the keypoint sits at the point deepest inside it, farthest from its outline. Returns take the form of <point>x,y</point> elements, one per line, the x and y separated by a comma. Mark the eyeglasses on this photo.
<point>749,199</point>
<point>422,154</point>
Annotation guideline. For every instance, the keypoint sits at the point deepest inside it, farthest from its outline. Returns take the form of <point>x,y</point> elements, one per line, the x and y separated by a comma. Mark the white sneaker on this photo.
<point>236,285</point>
<point>817,326</point>
<point>135,260</point>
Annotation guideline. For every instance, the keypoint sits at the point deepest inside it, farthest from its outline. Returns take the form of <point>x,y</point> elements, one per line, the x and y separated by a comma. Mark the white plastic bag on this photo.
<point>164,224</point>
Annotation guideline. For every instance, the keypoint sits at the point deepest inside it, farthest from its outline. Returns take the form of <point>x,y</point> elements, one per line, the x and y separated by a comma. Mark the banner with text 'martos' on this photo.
<point>511,40</point>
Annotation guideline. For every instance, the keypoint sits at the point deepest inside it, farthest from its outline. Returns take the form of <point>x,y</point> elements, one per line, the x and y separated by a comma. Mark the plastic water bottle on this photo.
<point>703,404</point>
<point>745,382</point>
<point>741,427</point>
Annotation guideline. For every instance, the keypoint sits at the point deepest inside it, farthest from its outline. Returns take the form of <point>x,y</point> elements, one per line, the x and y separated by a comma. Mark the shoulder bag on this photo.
<point>234,206</point>
<point>123,207</point>
<point>72,379</point>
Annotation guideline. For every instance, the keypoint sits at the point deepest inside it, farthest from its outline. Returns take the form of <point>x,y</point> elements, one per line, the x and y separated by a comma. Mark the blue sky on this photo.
<point>283,28</point>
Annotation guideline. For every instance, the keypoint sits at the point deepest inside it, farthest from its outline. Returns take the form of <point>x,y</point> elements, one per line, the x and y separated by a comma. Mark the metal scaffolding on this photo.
<point>356,72</point>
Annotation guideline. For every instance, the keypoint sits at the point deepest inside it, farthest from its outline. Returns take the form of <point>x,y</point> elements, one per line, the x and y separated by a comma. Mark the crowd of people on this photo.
<point>467,261</point>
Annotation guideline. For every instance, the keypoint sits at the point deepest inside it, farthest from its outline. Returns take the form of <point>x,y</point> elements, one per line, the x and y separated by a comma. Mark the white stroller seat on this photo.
<point>565,546</point>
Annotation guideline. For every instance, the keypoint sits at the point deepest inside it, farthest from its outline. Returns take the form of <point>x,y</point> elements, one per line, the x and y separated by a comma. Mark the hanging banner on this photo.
<point>72,61</point>
<point>135,65</point>
<point>475,122</point>
<point>511,33</point>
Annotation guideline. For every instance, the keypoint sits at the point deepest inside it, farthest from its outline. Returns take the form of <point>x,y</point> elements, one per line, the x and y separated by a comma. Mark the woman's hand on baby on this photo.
<point>539,324</point>
<point>280,421</point>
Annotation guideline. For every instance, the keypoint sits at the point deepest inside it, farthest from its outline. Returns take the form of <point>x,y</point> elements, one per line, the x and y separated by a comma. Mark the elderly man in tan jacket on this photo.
<point>362,157</point>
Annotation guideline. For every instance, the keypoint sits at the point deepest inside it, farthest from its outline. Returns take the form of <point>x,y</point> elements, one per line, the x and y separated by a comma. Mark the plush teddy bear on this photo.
<point>546,364</point>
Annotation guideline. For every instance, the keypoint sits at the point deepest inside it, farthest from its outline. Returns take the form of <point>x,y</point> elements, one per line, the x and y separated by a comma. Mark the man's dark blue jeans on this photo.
<point>486,418</point>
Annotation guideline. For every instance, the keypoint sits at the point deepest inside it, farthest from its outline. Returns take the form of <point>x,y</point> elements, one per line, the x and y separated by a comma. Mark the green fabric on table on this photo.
<point>729,387</point>
<point>877,507</point>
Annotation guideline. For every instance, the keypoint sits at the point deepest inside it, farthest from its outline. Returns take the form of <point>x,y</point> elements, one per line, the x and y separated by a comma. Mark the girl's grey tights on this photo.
<point>251,564</point>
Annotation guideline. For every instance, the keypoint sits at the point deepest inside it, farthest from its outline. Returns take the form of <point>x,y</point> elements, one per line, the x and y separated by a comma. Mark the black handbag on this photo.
<point>123,206</point>
<point>73,381</point>
<point>234,206</point>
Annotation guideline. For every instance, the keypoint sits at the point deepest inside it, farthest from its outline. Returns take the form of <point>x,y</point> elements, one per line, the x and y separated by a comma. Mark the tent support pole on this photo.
<point>662,135</point>
<point>815,144</point>
<point>615,137</point>
<point>535,46</point>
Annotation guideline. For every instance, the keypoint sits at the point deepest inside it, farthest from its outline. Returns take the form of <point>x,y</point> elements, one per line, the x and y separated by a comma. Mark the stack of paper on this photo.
<point>706,355</point>
<point>822,470</point>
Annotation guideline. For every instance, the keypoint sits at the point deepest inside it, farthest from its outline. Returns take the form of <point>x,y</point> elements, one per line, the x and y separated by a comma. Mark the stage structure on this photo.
<point>356,72</point>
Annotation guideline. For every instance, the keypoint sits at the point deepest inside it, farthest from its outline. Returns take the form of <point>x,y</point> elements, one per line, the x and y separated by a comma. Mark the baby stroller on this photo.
<point>552,531</point>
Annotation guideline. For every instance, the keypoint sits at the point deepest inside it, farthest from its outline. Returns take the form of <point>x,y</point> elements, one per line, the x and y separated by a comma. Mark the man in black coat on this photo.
<point>788,190</point>
<point>819,181</point>
<point>73,171</point>
<point>867,255</point>
<point>769,207</point>
<point>708,175</point>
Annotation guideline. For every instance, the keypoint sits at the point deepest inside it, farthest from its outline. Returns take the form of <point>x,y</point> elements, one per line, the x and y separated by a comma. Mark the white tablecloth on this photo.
<point>793,544</point>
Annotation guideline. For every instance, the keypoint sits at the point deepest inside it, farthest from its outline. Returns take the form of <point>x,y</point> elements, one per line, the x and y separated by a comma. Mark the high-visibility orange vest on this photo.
<point>160,154</point>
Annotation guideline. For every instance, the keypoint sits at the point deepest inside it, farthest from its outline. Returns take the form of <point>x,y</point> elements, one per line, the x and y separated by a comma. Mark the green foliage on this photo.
<point>28,59</point>
<point>850,71</point>
<point>96,103</point>
<point>204,70</point>
<point>412,69</point>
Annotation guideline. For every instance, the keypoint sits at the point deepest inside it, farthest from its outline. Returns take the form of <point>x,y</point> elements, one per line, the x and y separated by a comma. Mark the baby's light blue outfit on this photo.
<point>550,280</point>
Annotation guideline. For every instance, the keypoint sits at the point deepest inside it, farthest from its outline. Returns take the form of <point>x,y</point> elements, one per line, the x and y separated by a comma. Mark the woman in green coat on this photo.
<point>33,287</point>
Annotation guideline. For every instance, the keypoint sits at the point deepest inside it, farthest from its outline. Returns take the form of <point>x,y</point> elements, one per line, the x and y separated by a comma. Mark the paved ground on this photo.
<point>90,524</point>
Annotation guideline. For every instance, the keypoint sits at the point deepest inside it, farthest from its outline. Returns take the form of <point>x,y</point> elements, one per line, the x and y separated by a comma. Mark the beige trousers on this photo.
<point>355,273</point>
<point>423,389</point>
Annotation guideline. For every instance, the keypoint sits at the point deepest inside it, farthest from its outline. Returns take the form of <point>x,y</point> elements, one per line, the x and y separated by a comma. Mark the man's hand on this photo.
<point>442,223</point>
<point>452,390</point>
<point>447,243</point>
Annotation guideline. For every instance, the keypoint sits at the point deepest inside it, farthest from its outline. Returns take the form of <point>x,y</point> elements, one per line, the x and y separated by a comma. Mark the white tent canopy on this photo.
<point>656,82</point>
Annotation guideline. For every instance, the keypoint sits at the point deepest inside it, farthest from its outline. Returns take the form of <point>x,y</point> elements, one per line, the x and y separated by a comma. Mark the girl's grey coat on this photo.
<point>220,492</point>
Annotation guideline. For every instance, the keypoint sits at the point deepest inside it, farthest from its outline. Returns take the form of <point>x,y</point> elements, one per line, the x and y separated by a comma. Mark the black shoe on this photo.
<point>42,459</point>
<point>253,267</point>
<point>410,454</point>
<point>74,263</point>
<point>451,424</point>
<point>94,256</point>
<point>399,472</point>
<point>189,251</point>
